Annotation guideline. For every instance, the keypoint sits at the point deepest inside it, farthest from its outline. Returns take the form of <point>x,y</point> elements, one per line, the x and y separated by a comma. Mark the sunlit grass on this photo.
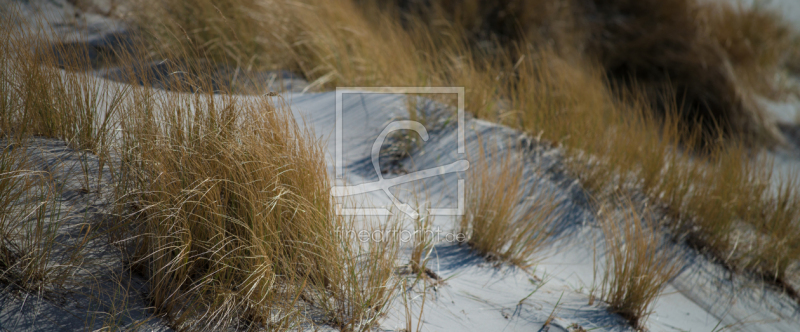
<point>637,265</point>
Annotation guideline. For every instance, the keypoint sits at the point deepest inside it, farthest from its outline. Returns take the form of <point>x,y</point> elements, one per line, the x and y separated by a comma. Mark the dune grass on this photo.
<point>38,99</point>
<point>620,136</point>
<point>234,218</point>
<point>422,244</point>
<point>637,266</point>
<point>223,204</point>
<point>29,220</point>
<point>658,46</point>
<point>42,100</point>
<point>757,42</point>
<point>503,221</point>
<point>658,102</point>
<point>231,216</point>
<point>227,32</point>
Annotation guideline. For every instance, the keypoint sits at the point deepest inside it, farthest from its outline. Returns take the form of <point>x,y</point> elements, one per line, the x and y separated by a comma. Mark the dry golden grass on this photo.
<point>42,100</point>
<point>660,46</point>
<point>637,266</point>
<point>502,221</point>
<point>226,201</point>
<point>421,245</point>
<point>228,32</point>
<point>37,99</point>
<point>233,218</point>
<point>757,42</point>
<point>619,134</point>
<point>218,205</point>
<point>29,220</point>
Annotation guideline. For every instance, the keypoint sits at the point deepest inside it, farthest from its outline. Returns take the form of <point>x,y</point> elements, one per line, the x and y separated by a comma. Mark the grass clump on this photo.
<point>233,218</point>
<point>637,267</point>
<point>40,99</point>
<point>224,32</point>
<point>29,220</point>
<point>502,222</point>
<point>421,245</point>
<point>758,43</point>
<point>36,255</point>
<point>660,47</point>
<point>217,208</point>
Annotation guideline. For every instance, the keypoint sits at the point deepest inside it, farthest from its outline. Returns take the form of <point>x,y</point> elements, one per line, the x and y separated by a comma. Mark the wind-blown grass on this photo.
<point>620,136</point>
<point>233,217</point>
<point>29,222</point>
<point>504,221</point>
<point>621,132</point>
<point>40,99</point>
<point>224,202</point>
<point>637,267</point>
<point>758,43</point>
